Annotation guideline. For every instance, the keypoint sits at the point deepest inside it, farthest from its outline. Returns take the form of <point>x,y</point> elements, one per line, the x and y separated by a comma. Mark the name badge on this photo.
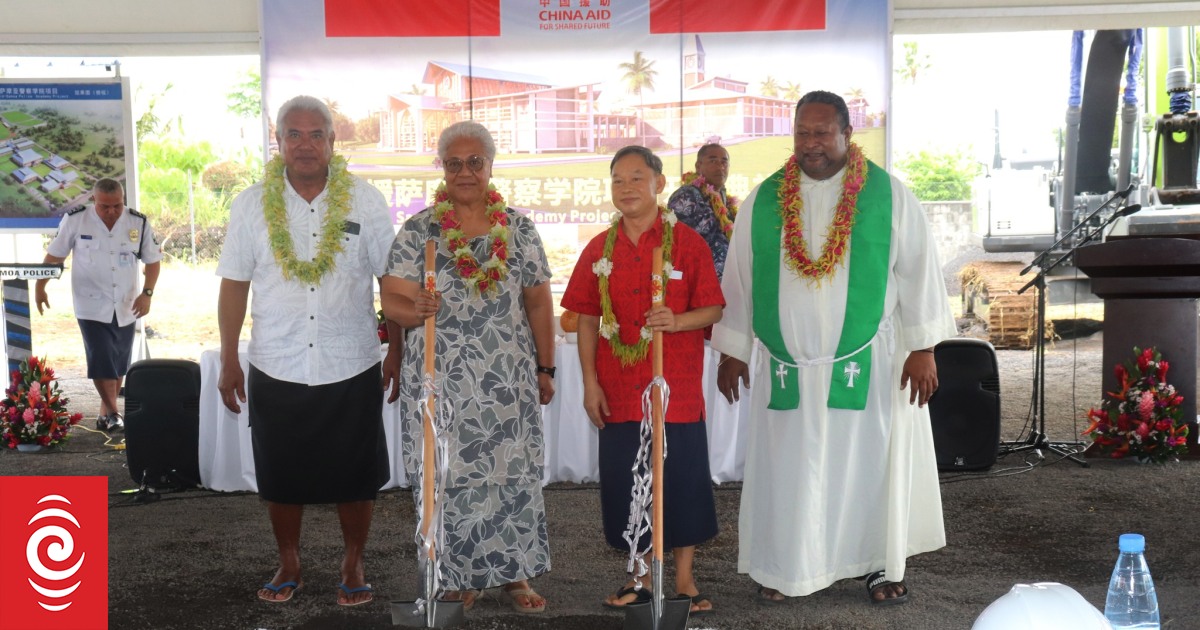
<point>351,228</point>
<point>676,274</point>
<point>86,237</point>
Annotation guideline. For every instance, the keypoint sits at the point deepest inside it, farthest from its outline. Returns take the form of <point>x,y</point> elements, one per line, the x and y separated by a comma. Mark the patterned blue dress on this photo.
<point>495,518</point>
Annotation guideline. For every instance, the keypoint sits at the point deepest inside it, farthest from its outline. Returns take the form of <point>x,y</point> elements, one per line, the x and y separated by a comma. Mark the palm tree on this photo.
<point>791,91</point>
<point>416,90</point>
<point>769,87</point>
<point>639,76</point>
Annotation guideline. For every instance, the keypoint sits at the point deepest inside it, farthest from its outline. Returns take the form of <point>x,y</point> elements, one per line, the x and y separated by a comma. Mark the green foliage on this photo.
<point>939,176</point>
<point>367,130</point>
<point>915,63</point>
<point>228,177</point>
<point>245,101</point>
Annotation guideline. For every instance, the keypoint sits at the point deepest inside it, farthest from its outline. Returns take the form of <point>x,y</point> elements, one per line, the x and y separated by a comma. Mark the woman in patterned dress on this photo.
<point>494,364</point>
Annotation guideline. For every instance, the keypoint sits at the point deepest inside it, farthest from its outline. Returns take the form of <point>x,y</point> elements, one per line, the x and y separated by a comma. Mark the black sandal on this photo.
<point>765,598</point>
<point>696,599</point>
<point>640,596</point>
<point>878,580</point>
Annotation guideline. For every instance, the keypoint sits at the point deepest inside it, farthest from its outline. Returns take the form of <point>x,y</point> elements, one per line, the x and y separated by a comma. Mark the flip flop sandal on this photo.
<point>876,581</point>
<point>365,588</point>
<point>696,599</point>
<point>275,589</point>
<point>640,596</point>
<point>511,597</point>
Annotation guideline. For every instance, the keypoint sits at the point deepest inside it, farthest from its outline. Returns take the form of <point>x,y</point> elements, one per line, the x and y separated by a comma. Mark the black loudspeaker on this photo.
<point>965,410</point>
<point>162,423</point>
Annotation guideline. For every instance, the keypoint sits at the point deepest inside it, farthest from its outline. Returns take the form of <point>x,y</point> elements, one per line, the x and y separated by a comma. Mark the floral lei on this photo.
<point>337,207</point>
<point>725,211</point>
<point>837,237</point>
<point>630,354</point>
<point>486,277</point>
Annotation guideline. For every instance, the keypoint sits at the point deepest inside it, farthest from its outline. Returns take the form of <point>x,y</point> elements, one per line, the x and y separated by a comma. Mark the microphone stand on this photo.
<point>1037,440</point>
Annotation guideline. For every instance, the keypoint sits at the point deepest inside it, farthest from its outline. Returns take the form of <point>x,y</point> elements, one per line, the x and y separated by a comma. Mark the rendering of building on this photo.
<point>24,175</point>
<point>27,157</point>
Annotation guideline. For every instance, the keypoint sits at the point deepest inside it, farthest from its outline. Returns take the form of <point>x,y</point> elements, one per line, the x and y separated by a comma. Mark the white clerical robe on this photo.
<point>832,493</point>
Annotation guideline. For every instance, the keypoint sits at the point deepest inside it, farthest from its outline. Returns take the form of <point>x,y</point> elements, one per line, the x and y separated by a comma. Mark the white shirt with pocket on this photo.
<point>104,271</point>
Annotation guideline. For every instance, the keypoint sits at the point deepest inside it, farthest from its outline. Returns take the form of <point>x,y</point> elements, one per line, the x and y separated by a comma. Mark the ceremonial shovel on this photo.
<point>659,613</point>
<point>429,612</point>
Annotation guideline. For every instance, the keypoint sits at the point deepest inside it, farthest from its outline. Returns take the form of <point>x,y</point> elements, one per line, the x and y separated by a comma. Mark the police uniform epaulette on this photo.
<point>136,213</point>
<point>77,210</point>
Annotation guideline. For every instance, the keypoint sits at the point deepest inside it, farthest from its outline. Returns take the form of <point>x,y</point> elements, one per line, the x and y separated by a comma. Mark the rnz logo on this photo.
<point>54,541</point>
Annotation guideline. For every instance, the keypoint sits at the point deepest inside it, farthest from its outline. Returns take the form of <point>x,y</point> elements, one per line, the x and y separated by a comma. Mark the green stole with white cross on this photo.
<point>870,248</point>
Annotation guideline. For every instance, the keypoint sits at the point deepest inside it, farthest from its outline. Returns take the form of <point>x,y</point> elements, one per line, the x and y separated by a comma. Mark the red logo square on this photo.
<point>54,558</point>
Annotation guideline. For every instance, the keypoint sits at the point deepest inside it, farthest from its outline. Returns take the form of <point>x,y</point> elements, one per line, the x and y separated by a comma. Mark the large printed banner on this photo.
<point>56,139</point>
<point>562,84</point>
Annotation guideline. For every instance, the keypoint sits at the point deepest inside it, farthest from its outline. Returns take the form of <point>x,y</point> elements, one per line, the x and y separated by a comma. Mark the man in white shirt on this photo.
<point>312,239</point>
<point>108,240</point>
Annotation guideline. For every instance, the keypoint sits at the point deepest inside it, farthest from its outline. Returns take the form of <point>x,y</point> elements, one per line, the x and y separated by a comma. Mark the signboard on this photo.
<point>562,84</point>
<point>57,137</point>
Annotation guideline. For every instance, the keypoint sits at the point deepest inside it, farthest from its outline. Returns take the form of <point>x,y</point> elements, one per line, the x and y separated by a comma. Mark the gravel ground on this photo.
<point>194,559</point>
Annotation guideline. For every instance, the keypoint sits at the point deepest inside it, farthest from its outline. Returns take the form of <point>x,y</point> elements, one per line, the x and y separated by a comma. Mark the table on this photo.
<point>571,442</point>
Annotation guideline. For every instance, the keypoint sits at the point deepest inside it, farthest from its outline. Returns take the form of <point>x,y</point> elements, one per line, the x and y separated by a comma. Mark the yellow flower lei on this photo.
<point>630,354</point>
<point>725,212</point>
<point>837,236</point>
<point>337,207</point>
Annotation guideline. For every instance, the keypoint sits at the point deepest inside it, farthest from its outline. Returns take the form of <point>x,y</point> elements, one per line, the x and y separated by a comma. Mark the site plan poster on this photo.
<point>57,137</point>
<point>562,84</point>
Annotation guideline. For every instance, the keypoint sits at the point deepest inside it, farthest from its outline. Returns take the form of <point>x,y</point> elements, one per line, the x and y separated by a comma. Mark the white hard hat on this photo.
<point>1042,606</point>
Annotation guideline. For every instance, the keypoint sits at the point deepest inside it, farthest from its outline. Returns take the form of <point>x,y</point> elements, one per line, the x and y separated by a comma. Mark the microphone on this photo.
<point>1128,210</point>
<point>1124,194</point>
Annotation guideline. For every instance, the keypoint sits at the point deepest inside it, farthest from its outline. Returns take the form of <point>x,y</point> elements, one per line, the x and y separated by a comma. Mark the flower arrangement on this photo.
<point>1142,419</point>
<point>381,326</point>
<point>33,410</point>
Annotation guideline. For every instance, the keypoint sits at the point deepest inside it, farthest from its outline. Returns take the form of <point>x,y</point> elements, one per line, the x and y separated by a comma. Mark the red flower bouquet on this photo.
<point>33,410</point>
<point>1142,419</point>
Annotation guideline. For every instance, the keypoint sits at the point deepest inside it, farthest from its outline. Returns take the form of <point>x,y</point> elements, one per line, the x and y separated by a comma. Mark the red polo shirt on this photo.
<point>693,285</point>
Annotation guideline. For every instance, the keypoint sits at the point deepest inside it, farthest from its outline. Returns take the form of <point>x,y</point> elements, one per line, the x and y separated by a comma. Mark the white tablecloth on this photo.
<point>227,457</point>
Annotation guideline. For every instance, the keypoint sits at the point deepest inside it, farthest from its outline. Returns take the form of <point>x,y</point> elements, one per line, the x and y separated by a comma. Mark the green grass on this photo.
<point>21,118</point>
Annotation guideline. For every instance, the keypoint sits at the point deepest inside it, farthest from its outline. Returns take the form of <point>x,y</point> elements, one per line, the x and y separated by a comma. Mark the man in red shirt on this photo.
<point>611,290</point>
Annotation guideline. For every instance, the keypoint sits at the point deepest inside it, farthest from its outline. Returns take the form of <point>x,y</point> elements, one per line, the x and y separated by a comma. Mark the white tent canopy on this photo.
<point>175,27</point>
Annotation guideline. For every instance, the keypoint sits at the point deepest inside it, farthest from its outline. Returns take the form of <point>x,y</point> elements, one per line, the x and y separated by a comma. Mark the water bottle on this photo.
<point>1131,601</point>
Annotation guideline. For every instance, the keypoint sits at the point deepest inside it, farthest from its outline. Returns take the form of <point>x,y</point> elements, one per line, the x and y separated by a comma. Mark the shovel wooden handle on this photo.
<point>656,409</point>
<point>428,451</point>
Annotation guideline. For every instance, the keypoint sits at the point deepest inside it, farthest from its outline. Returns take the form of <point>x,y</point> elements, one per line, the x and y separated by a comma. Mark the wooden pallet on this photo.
<point>1011,317</point>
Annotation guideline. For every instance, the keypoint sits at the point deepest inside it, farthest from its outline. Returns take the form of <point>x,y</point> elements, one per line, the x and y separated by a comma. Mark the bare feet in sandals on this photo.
<point>523,599</point>
<point>626,595</point>
<point>885,593</point>
<point>281,587</point>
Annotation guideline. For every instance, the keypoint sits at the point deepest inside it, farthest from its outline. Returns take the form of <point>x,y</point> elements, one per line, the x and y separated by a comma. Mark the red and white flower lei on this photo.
<point>837,237</point>
<point>483,278</point>
<point>725,210</point>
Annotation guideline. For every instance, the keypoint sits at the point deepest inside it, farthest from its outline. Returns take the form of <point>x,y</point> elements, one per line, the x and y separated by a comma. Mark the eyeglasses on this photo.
<point>474,162</point>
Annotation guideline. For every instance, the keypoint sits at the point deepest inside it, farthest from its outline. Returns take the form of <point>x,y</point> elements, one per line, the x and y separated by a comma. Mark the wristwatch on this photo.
<point>546,370</point>
<point>148,292</point>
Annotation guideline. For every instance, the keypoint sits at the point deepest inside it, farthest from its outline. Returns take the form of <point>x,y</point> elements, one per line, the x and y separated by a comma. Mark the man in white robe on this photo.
<point>833,493</point>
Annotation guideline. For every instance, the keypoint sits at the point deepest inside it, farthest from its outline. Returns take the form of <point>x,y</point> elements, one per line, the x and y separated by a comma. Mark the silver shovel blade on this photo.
<point>675,613</point>
<point>445,614</point>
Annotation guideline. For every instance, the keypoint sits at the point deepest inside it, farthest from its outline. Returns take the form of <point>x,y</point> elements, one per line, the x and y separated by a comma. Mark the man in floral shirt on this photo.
<point>702,203</point>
